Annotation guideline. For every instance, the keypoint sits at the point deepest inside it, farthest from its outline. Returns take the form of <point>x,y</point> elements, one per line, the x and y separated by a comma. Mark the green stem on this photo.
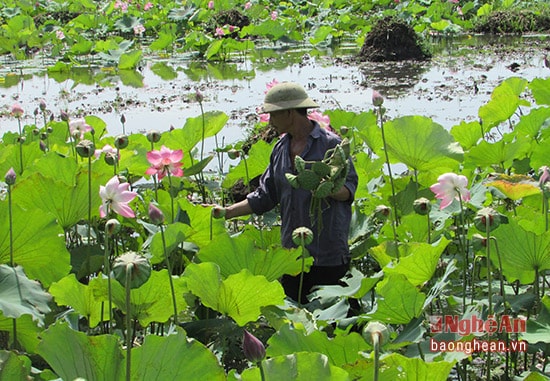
<point>246,171</point>
<point>129,334</point>
<point>89,199</point>
<point>107,270</point>
<point>302,243</point>
<point>12,262</point>
<point>169,267</point>
<point>429,228</point>
<point>262,372</point>
<point>376,345</point>
<point>489,278</point>
<point>545,210</point>
<point>501,277</point>
<point>462,238</point>
<point>171,196</point>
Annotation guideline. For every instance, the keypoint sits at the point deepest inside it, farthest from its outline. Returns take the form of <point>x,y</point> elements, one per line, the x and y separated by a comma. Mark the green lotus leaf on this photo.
<point>539,330</point>
<point>341,349</point>
<point>399,301</point>
<point>421,144</point>
<point>500,153</point>
<point>503,103</point>
<point>27,331</point>
<point>541,90</point>
<point>14,367</point>
<point>21,296</point>
<point>522,252</point>
<point>515,186</point>
<point>38,244</point>
<point>254,165</point>
<point>75,355</point>
<point>530,125</point>
<point>416,368</point>
<point>233,254</point>
<point>240,296</point>
<point>174,357</point>
<point>467,134</point>
<point>297,366</point>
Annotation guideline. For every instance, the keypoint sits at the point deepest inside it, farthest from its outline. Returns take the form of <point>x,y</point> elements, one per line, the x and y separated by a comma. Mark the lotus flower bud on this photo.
<point>112,226</point>
<point>35,112</point>
<point>122,119</point>
<point>422,206</point>
<point>49,130</point>
<point>253,349</point>
<point>155,215</point>
<point>382,212</point>
<point>121,141</point>
<point>42,146</point>
<point>52,118</point>
<point>233,154</point>
<point>10,177</point>
<point>198,96</point>
<point>218,212</point>
<point>36,132</point>
<point>85,148</point>
<point>377,99</point>
<point>64,116</point>
<point>544,175</point>
<point>487,219</point>
<point>373,329</point>
<point>302,235</point>
<point>17,111</point>
<point>42,105</point>
<point>139,269</point>
<point>153,136</point>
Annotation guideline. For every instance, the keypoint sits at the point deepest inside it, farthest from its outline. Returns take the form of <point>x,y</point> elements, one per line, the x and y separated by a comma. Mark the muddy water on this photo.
<point>450,88</point>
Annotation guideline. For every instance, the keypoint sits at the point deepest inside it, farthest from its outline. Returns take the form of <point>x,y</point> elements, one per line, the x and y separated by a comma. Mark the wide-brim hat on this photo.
<point>286,96</point>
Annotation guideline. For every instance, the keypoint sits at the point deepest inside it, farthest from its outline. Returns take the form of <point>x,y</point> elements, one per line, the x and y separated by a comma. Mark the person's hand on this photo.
<point>218,211</point>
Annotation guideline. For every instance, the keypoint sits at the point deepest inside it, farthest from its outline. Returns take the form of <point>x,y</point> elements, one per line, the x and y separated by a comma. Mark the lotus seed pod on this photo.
<point>308,179</point>
<point>21,139</point>
<point>218,212</point>
<point>344,130</point>
<point>110,158</point>
<point>140,269</point>
<point>487,219</point>
<point>422,206</point>
<point>302,234</point>
<point>321,168</point>
<point>382,212</point>
<point>479,242</point>
<point>324,189</point>
<point>374,328</point>
<point>49,130</point>
<point>85,148</point>
<point>36,132</point>
<point>121,141</point>
<point>153,136</point>
<point>299,164</point>
<point>233,154</point>
<point>254,349</point>
<point>112,226</point>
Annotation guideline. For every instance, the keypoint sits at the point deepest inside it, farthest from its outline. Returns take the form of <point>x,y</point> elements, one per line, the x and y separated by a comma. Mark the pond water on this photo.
<point>449,88</point>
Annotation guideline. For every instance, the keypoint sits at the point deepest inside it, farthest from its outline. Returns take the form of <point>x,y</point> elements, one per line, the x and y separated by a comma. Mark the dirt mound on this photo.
<point>392,39</point>
<point>514,21</point>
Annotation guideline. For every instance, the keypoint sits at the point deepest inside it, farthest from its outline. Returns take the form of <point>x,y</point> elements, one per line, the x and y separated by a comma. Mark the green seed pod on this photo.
<point>338,183</point>
<point>140,269</point>
<point>85,148</point>
<point>292,179</point>
<point>302,234</point>
<point>374,328</point>
<point>308,179</point>
<point>299,164</point>
<point>487,218</point>
<point>321,168</point>
<point>422,206</point>
<point>324,189</point>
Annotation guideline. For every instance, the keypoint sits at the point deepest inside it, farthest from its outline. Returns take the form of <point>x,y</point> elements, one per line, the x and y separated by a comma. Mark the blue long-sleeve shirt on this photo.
<point>330,247</point>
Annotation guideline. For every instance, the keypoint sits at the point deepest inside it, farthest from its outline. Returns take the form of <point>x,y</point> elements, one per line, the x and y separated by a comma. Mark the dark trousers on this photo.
<point>317,276</point>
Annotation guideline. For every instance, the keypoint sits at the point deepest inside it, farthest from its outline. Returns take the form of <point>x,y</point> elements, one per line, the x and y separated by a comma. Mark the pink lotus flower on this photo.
<point>274,15</point>
<point>377,98</point>
<point>122,5</point>
<point>165,162</point>
<point>17,110</point>
<point>269,85</point>
<point>323,120</point>
<point>148,6</point>
<point>210,4</point>
<point>139,29</point>
<point>79,127</point>
<point>450,186</point>
<point>115,197</point>
<point>59,34</point>
<point>264,118</point>
<point>248,5</point>
<point>219,32</point>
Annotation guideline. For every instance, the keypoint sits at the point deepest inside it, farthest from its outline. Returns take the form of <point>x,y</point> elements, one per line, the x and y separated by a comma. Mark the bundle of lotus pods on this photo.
<point>323,177</point>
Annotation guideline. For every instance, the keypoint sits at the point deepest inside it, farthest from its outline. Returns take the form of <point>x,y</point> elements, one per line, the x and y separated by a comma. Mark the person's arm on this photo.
<point>241,208</point>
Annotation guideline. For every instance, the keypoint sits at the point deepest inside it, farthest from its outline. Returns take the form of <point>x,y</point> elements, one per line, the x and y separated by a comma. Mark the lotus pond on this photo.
<point>115,136</point>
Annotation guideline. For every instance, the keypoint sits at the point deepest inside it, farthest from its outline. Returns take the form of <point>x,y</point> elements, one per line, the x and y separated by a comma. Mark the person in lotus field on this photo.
<point>287,104</point>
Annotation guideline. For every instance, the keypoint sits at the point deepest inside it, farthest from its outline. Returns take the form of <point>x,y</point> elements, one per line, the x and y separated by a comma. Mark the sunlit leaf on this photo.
<point>503,103</point>
<point>250,167</point>
<point>21,296</point>
<point>531,124</point>
<point>514,187</point>
<point>240,296</point>
<point>174,357</point>
<point>416,368</point>
<point>27,331</point>
<point>341,349</point>
<point>541,90</point>
<point>500,153</point>
<point>73,354</point>
<point>467,133</point>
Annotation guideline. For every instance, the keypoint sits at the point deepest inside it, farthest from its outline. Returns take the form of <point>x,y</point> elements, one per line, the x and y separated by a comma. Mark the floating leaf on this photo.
<point>515,186</point>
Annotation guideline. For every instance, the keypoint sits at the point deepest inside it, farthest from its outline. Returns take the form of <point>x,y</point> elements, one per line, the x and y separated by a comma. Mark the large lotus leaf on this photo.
<point>420,143</point>
<point>301,366</point>
<point>515,186</point>
<point>152,302</point>
<point>233,254</point>
<point>539,330</point>
<point>73,354</point>
<point>27,331</point>
<point>194,131</point>
<point>202,228</point>
<point>84,299</point>
<point>14,367</point>
<point>55,166</point>
<point>9,158</point>
<point>521,251</point>
<point>467,133</point>
<point>503,103</point>
<point>541,153</point>
<point>420,261</point>
<point>367,169</point>
<point>240,296</point>
<point>254,165</point>
<point>20,296</point>
<point>38,244</point>
<point>372,136</point>
<point>541,90</point>
<point>357,285</point>
<point>530,125</point>
<point>398,300</point>
<point>500,153</point>
<point>359,121</point>
<point>173,236</point>
<point>341,349</point>
<point>174,357</point>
